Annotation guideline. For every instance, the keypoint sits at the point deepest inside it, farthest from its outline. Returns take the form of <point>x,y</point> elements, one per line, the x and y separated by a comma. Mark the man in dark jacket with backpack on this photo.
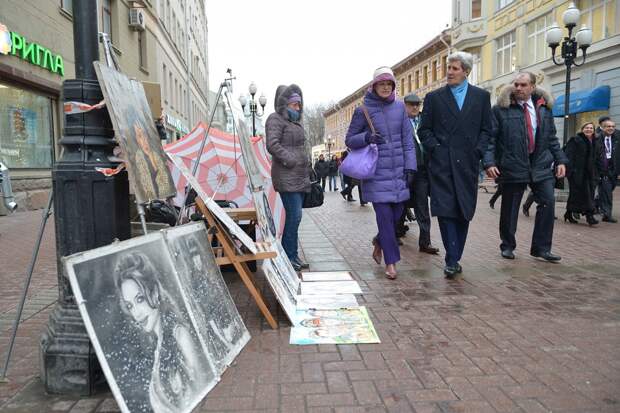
<point>522,151</point>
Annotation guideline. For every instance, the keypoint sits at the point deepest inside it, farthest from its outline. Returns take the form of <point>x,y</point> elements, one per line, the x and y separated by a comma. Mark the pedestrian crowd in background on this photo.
<point>440,153</point>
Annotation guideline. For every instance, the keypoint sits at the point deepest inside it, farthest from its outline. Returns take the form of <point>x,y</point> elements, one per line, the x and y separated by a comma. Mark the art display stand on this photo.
<point>228,253</point>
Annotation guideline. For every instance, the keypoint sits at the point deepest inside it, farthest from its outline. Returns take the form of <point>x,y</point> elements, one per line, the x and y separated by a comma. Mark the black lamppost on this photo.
<point>581,40</point>
<point>90,210</point>
<point>253,105</point>
<point>330,143</point>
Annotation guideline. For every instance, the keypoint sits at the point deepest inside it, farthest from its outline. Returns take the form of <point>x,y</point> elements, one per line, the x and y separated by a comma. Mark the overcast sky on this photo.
<point>328,47</point>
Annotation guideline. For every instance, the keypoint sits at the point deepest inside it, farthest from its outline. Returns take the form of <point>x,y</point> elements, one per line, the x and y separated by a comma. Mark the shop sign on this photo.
<point>177,124</point>
<point>14,44</point>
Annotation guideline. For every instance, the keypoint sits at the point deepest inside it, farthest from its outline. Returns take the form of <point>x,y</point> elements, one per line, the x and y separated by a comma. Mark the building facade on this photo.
<point>509,35</point>
<point>36,55</point>
<point>420,73</point>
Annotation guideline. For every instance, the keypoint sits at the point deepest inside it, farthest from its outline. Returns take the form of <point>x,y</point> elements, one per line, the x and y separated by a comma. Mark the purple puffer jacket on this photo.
<point>397,154</point>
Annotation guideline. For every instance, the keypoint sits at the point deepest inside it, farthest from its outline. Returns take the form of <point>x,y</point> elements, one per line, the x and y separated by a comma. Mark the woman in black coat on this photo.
<point>581,175</point>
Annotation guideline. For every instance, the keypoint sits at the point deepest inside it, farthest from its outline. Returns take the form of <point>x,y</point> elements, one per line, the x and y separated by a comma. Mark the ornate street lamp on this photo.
<point>253,105</point>
<point>330,143</point>
<point>582,40</point>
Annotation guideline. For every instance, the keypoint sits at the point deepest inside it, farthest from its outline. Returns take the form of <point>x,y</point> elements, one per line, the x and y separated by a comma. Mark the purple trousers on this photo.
<point>388,215</point>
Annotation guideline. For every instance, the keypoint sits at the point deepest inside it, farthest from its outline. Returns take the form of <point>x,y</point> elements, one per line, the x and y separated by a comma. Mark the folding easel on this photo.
<point>228,253</point>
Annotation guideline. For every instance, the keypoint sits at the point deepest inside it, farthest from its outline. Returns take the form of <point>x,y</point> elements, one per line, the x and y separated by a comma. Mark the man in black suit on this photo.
<point>455,128</point>
<point>420,189</point>
<point>522,151</point>
<point>608,165</point>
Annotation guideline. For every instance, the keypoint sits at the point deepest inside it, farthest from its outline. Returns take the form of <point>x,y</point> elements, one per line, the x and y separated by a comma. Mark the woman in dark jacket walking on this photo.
<point>290,169</point>
<point>581,175</point>
<point>388,189</point>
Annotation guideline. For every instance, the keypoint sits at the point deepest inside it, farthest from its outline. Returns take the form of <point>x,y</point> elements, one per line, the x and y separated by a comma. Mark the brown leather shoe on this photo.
<point>429,249</point>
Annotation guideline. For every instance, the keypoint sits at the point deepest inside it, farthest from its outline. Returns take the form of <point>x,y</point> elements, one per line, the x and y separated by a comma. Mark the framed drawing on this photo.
<point>327,276</point>
<point>326,302</point>
<point>135,131</point>
<point>330,287</point>
<point>201,280</point>
<point>345,326</point>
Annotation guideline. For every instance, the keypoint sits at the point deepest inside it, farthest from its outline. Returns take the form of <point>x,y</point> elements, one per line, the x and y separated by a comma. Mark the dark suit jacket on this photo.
<point>456,140</point>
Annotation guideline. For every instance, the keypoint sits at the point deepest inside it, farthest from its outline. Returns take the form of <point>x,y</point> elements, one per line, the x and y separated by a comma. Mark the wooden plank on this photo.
<point>230,254</point>
<point>241,214</point>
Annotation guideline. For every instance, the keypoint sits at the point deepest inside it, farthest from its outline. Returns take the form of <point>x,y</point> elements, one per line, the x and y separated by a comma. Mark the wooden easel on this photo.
<point>228,253</point>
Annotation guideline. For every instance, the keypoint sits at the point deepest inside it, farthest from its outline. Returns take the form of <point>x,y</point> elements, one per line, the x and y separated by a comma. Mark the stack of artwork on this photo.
<point>160,317</point>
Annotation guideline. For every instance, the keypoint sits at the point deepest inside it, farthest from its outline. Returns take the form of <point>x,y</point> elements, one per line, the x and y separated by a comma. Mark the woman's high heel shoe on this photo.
<point>568,217</point>
<point>376,252</point>
<point>591,220</point>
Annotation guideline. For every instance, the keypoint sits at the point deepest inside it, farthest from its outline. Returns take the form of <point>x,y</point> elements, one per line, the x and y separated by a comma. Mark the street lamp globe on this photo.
<point>263,100</point>
<point>571,16</point>
<point>252,89</point>
<point>553,35</point>
<point>243,100</point>
<point>584,37</point>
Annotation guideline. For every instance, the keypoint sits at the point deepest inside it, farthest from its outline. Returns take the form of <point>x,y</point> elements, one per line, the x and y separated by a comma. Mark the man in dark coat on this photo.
<point>456,124</point>
<point>522,151</point>
<point>420,189</point>
<point>321,169</point>
<point>608,163</point>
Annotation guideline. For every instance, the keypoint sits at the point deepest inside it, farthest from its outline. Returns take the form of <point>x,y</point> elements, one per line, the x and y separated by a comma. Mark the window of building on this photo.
<point>402,86</point>
<point>417,79</point>
<point>409,83</point>
<point>107,18</point>
<point>67,5</point>
<point>168,15</point>
<point>476,9</point>
<point>169,91</point>
<point>503,3</point>
<point>444,66</point>
<point>425,76</point>
<point>505,46</point>
<point>537,49</point>
<point>598,15</point>
<point>175,96</point>
<point>143,61</point>
<point>26,128</point>
<point>165,85</point>
<point>434,72</point>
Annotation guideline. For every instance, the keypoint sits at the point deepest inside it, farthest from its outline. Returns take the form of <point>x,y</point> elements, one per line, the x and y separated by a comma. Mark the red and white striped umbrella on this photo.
<point>222,173</point>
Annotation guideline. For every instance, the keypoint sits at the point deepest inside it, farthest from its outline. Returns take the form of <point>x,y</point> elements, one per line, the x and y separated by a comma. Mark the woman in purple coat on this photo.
<point>388,189</point>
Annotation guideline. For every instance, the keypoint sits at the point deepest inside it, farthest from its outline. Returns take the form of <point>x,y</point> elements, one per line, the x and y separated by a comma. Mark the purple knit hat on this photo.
<point>294,98</point>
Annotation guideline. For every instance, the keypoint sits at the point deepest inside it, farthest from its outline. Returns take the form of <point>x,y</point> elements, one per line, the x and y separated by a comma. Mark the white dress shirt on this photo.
<point>532,110</point>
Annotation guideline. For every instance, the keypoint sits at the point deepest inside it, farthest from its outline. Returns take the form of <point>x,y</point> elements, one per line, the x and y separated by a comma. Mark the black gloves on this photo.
<point>376,138</point>
<point>409,177</point>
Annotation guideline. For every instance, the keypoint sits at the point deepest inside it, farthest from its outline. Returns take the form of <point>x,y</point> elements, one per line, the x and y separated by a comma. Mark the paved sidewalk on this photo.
<point>511,336</point>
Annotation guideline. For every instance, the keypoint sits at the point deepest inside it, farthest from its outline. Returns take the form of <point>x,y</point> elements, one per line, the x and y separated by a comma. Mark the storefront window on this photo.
<point>26,133</point>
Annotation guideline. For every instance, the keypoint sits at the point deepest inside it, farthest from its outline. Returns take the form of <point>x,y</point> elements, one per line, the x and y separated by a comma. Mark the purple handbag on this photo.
<point>361,163</point>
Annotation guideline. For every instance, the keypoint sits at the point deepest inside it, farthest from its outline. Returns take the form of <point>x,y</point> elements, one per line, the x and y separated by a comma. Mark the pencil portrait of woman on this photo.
<point>178,374</point>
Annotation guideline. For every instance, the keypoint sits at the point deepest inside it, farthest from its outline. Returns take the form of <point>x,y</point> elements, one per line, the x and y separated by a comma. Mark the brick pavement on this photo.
<point>511,336</point>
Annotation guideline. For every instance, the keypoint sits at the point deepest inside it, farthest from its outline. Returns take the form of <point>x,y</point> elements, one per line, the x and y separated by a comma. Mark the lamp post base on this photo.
<point>68,361</point>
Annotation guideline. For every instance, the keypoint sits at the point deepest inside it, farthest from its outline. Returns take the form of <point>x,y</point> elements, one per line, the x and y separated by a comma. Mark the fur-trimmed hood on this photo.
<point>505,98</point>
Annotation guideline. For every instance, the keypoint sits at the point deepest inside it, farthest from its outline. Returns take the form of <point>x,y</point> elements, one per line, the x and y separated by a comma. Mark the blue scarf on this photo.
<point>459,92</point>
<point>293,115</point>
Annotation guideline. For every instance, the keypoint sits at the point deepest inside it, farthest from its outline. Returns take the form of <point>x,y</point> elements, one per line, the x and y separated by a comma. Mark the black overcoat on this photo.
<point>581,172</point>
<point>507,148</point>
<point>455,141</point>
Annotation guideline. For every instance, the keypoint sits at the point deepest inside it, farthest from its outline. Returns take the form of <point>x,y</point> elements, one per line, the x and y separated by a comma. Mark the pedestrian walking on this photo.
<point>522,151</point>
<point>608,166</point>
<point>321,169</point>
<point>456,124</point>
<point>340,174</point>
<point>333,173</point>
<point>420,190</point>
<point>582,176</point>
<point>388,189</point>
<point>290,169</point>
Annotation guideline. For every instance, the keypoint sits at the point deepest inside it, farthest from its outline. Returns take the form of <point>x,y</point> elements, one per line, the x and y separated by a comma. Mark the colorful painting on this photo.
<point>346,326</point>
<point>136,134</point>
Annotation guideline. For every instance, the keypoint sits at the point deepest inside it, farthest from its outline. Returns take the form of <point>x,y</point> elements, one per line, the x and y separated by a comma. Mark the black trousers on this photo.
<point>420,194</point>
<point>543,224</point>
<point>323,181</point>
<point>606,195</point>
